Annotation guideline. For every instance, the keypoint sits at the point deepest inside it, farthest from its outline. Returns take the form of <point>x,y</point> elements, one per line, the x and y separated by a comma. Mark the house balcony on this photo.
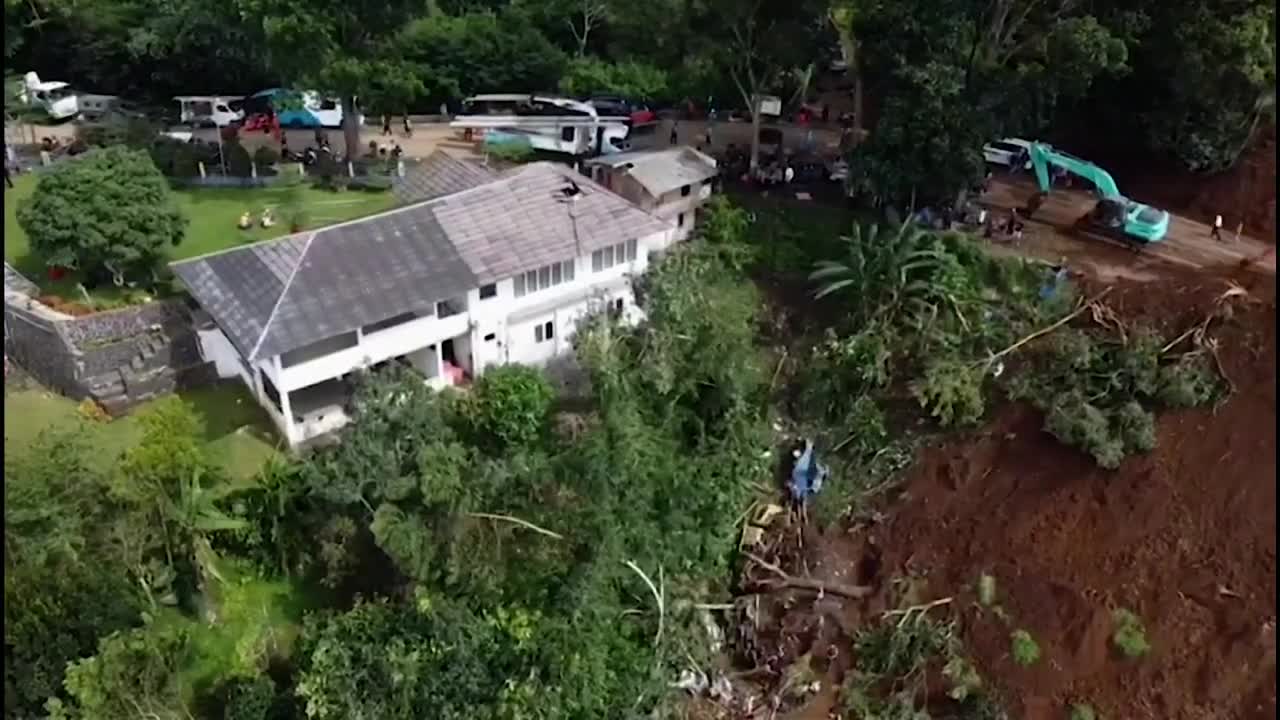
<point>374,345</point>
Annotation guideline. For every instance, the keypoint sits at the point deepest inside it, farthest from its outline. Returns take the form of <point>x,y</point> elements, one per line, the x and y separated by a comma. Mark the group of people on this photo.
<point>246,219</point>
<point>407,126</point>
<point>385,152</point>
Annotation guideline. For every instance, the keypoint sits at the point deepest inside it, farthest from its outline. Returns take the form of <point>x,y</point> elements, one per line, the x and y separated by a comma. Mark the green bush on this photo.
<point>1130,638</point>
<point>239,164</point>
<point>515,153</point>
<point>1081,424</point>
<point>265,157</point>
<point>1082,712</point>
<point>952,392</point>
<point>250,699</point>
<point>1189,382</point>
<point>1136,426</point>
<point>1025,650</point>
<point>186,161</point>
<point>508,407</point>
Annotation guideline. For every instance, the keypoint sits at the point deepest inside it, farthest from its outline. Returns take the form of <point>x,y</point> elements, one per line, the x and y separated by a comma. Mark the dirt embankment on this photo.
<point>1184,536</point>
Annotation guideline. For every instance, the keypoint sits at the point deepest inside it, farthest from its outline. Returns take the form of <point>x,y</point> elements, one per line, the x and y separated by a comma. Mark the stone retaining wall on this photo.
<point>119,358</point>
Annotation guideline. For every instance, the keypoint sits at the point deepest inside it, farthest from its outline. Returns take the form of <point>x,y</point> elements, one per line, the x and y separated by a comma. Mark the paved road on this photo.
<point>428,137</point>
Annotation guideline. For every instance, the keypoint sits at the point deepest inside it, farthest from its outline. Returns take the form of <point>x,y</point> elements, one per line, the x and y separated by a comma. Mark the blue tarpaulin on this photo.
<point>1054,285</point>
<point>807,475</point>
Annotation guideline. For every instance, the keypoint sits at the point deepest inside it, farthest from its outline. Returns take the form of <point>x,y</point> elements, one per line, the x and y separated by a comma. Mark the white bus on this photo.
<point>553,124</point>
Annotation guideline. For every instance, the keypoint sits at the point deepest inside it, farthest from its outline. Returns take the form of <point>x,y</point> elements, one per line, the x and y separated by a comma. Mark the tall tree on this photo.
<point>340,47</point>
<point>757,44</point>
<point>953,74</point>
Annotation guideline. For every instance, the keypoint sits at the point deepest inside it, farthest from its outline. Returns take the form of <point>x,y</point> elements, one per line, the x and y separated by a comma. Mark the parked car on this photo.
<point>637,113</point>
<point>1008,153</point>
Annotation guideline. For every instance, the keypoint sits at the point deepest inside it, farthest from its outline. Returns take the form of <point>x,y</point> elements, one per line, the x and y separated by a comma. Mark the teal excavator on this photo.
<point>1114,215</point>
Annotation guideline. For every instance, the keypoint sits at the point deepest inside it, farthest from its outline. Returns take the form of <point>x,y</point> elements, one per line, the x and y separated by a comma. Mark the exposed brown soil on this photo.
<point>1184,536</point>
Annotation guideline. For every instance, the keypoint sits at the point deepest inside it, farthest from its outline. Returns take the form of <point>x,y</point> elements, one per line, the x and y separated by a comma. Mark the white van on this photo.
<point>55,98</point>
<point>208,110</point>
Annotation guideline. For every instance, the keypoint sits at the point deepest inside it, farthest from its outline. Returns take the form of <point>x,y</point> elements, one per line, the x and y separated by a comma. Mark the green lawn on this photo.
<point>237,432</point>
<point>212,214</point>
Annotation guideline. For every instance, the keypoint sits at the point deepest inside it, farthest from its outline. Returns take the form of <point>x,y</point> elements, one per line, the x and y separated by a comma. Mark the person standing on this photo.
<point>675,132</point>
<point>386,124</point>
<point>1239,230</point>
<point>707,137</point>
<point>1216,232</point>
<point>408,127</point>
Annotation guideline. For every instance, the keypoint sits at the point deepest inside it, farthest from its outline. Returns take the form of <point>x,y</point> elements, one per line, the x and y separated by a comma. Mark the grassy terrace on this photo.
<point>236,432</point>
<point>211,214</point>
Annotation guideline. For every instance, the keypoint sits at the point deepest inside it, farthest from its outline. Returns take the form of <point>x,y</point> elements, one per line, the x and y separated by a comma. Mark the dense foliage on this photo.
<point>109,215</point>
<point>473,559</point>
<point>1187,79</point>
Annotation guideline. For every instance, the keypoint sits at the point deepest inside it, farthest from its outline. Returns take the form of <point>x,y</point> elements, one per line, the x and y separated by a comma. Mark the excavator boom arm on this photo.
<point>1042,157</point>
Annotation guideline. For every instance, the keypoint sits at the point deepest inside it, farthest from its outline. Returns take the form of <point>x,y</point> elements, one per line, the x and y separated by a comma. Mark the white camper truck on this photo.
<point>54,97</point>
<point>549,123</point>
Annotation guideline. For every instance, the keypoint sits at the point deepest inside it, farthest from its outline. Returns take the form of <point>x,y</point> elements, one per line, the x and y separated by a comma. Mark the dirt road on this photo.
<point>430,136</point>
<point>1049,235</point>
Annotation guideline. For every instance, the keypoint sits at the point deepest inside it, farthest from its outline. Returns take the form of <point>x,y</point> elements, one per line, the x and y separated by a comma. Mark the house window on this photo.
<point>543,278</point>
<point>269,389</point>
<point>543,332</point>
<point>616,307</point>
<point>567,134</point>
<point>680,220</point>
<point>605,258</point>
<point>488,291</point>
<point>684,191</point>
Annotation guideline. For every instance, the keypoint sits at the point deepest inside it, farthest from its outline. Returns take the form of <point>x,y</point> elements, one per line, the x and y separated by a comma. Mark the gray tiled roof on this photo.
<point>273,297</point>
<point>440,174</point>
<point>522,221</point>
<point>278,296</point>
<point>661,171</point>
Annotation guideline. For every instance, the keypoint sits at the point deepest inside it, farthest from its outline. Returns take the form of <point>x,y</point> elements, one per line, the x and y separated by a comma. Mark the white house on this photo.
<point>488,270</point>
<point>671,183</point>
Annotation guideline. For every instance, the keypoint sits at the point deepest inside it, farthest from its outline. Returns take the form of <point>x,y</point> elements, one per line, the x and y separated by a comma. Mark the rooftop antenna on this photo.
<point>569,195</point>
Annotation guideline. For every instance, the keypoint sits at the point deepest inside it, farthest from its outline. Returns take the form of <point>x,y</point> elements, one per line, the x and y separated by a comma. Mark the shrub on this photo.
<point>1187,383</point>
<point>249,699</point>
<point>512,152</point>
<point>1081,424</point>
<point>110,215</point>
<point>1026,652</point>
<point>1082,712</point>
<point>1130,638</point>
<point>951,391</point>
<point>265,157</point>
<point>185,161</point>
<point>508,406</point>
<point>239,164</point>
<point>1136,426</point>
